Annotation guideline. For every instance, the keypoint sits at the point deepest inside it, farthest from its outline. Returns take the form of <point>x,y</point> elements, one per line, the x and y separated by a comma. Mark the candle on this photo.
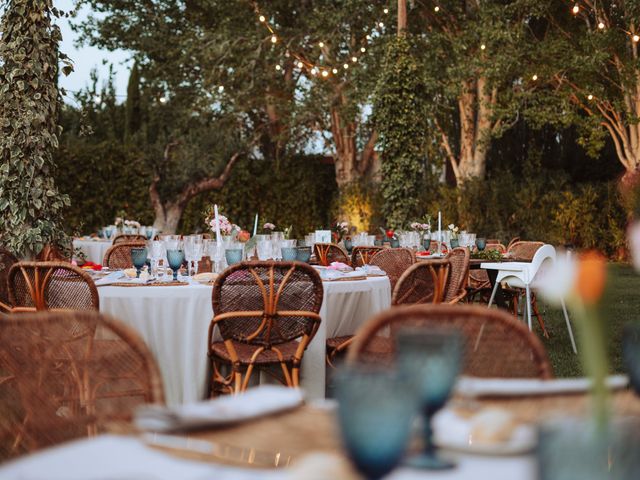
<point>255,226</point>
<point>439,231</point>
<point>215,209</point>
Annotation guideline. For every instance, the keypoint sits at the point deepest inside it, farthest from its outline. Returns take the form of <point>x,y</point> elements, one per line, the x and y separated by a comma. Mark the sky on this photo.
<point>86,58</point>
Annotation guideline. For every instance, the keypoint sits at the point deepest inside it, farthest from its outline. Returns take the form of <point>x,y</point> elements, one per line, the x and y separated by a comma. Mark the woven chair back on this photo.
<point>496,344</point>
<point>128,238</point>
<point>327,253</point>
<point>524,250</point>
<point>50,253</point>
<point>456,284</point>
<point>118,257</point>
<point>512,241</point>
<point>496,246</point>
<point>51,286</point>
<point>267,303</point>
<point>7,259</point>
<point>68,375</point>
<point>362,255</point>
<point>394,262</point>
<point>422,282</point>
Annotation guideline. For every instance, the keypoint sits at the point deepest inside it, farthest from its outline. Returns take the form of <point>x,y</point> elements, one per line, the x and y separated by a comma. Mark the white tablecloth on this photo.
<point>94,250</point>
<point>174,322</point>
<point>115,458</point>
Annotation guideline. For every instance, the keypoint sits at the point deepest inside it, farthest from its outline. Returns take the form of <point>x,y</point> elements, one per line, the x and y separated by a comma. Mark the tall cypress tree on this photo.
<point>30,205</point>
<point>132,107</point>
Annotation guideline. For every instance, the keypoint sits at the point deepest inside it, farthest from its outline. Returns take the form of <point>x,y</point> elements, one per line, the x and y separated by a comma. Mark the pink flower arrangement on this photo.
<point>269,226</point>
<point>226,227</point>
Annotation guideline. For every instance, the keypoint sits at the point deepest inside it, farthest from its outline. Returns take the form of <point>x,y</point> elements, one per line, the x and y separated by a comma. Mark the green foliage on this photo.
<point>400,114</point>
<point>301,197</point>
<point>30,205</point>
<point>133,107</point>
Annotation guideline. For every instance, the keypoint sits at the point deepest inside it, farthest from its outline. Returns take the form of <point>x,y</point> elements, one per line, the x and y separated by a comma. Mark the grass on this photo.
<point>620,305</point>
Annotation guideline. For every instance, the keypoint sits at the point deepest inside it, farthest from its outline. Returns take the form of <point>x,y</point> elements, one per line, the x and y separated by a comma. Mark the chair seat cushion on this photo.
<point>246,351</point>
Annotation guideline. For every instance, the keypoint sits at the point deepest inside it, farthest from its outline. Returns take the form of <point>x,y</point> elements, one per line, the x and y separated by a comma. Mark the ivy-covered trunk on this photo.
<point>30,205</point>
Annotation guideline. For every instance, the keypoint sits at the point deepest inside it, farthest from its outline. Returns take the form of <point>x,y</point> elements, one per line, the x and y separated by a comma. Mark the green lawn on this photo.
<point>619,306</point>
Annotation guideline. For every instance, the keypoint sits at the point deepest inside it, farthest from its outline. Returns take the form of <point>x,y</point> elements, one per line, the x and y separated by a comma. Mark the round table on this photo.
<point>94,249</point>
<point>174,323</point>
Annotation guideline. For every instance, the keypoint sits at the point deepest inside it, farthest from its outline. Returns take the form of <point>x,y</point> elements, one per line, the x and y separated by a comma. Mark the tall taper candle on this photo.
<point>255,226</point>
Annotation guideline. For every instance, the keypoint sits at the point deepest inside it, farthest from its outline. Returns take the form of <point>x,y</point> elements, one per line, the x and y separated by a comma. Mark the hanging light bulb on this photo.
<point>300,65</point>
<point>274,39</point>
<point>314,71</point>
<point>381,25</point>
<point>346,66</point>
<point>335,70</point>
<point>575,9</point>
<point>636,38</point>
<point>262,18</point>
<point>601,25</point>
<point>325,74</point>
<point>483,46</point>
<point>362,49</point>
<point>534,78</point>
<point>386,10</point>
<point>590,97</point>
<point>278,68</point>
<point>221,89</point>
<point>321,44</point>
<point>354,59</point>
<point>436,9</point>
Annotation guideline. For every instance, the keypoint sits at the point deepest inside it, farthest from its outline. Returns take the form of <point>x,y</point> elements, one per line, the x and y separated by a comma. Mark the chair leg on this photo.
<point>493,295</point>
<point>566,319</point>
<point>528,307</point>
<point>536,312</point>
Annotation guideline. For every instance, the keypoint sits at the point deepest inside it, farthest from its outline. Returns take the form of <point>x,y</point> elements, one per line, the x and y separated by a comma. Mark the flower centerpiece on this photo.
<point>268,228</point>
<point>389,235</point>
<point>339,230</point>
<point>454,235</point>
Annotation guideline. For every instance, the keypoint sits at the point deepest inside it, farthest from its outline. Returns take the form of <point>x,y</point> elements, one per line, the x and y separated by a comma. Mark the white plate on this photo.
<point>454,433</point>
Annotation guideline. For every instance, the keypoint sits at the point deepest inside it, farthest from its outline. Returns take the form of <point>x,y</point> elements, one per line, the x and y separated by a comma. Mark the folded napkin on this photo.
<point>329,274</point>
<point>113,277</point>
<point>371,270</point>
<point>256,402</point>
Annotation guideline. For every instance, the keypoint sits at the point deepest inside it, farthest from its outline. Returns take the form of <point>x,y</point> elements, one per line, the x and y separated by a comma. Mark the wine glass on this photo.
<point>264,249</point>
<point>375,410</point>
<point>432,358</point>
<point>175,259</point>
<point>233,253</point>
<point>139,258</point>
<point>481,244</point>
<point>157,253</point>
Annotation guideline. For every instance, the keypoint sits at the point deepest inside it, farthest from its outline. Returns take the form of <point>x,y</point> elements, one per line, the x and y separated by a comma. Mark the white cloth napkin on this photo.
<point>371,270</point>
<point>508,387</point>
<point>256,402</point>
<point>113,277</point>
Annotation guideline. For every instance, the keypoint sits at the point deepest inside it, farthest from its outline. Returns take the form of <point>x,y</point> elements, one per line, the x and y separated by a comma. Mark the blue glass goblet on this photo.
<point>139,259</point>
<point>149,233</point>
<point>289,254</point>
<point>631,353</point>
<point>432,359</point>
<point>107,233</point>
<point>481,243</point>
<point>454,243</point>
<point>304,254</point>
<point>233,255</point>
<point>375,412</point>
<point>394,242</point>
<point>348,244</point>
<point>175,259</point>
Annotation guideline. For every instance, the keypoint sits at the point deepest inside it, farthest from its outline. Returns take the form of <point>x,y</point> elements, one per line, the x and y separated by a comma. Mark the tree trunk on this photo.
<point>167,220</point>
<point>402,17</point>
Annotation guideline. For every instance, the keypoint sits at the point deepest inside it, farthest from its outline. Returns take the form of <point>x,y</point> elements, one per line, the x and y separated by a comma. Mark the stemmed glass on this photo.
<point>432,358</point>
<point>157,253</point>
<point>175,259</point>
<point>139,258</point>
<point>375,410</point>
<point>264,249</point>
<point>481,244</point>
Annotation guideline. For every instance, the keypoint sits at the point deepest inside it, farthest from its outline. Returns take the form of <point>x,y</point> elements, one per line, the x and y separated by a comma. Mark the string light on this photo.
<point>278,67</point>
<point>274,39</point>
<point>262,18</point>
<point>534,78</point>
<point>601,25</point>
<point>300,65</point>
<point>346,66</point>
<point>325,74</point>
<point>590,97</point>
<point>575,9</point>
<point>362,49</point>
<point>221,89</point>
<point>636,38</point>
<point>436,9</point>
<point>354,59</point>
<point>314,71</point>
<point>335,70</point>
<point>321,44</point>
<point>483,46</point>
<point>386,10</point>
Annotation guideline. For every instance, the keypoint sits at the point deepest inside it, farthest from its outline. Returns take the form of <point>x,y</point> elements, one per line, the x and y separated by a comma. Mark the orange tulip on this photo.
<point>591,276</point>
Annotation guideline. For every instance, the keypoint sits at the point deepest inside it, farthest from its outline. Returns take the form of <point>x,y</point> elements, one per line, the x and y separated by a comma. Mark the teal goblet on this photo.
<point>175,259</point>
<point>139,259</point>
<point>432,358</point>
<point>233,255</point>
<point>289,254</point>
<point>375,411</point>
<point>303,254</point>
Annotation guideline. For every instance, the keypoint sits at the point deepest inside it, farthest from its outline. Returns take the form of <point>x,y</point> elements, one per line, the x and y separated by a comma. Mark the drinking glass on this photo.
<point>310,240</point>
<point>289,254</point>
<point>375,411</point>
<point>233,253</point>
<point>139,258</point>
<point>348,244</point>
<point>264,249</point>
<point>432,358</point>
<point>481,244</point>
<point>304,254</point>
<point>176,259</point>
<point>157,254</point>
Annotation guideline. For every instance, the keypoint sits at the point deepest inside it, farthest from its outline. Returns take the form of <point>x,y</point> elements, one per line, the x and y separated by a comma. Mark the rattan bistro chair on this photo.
<point>361,255</point>
<point>423,282</point>
<point>118,257</point>
<point>50,286</point>
<point>327,253</point>
<point>58,383</point>
<point>266,313</point>
<point>496,344</point>
<point>394,262</point>
<point>7,260</point>
<point>524,250</point>
<point>129,238</point>
<point>456,285</point>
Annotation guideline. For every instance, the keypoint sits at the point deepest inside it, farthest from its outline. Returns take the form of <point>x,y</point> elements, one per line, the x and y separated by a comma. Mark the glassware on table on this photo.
<point>375,411</point>
<point>432,358</point>
<point>310,240</point>
<point>175,259</point>
<point>348,244</point>
<point>234,253</point>
<point>139,259</point>
<point>264,249</point>
<point>575,448</point>
<point>289,254</point>
<point>304,254</point>
<point>454,243</point>
<point>193,254</point>
<point>158,254</point>
<point>481,244</point>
